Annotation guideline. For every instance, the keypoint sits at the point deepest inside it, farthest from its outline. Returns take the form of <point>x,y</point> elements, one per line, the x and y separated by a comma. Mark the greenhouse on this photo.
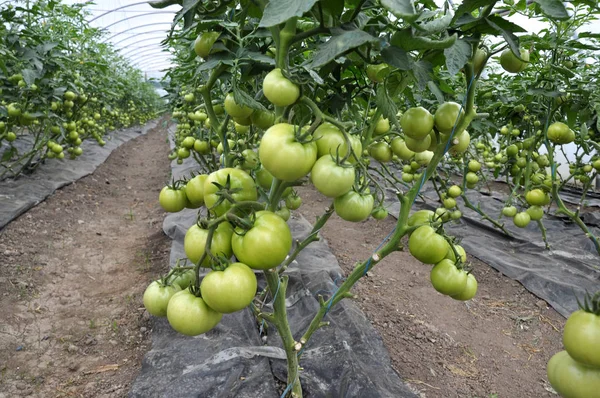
<point>300,198</point>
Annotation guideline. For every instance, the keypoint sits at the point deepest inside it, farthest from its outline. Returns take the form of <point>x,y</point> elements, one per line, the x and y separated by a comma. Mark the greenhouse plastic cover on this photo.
<point>21,194</point>
<point>345,359</point>
<point>558,276</point>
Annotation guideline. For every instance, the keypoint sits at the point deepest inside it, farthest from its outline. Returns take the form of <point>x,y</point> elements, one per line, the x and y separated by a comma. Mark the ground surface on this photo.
<point>73,270</point>
<point>494,346</point>
<point>72,273</point>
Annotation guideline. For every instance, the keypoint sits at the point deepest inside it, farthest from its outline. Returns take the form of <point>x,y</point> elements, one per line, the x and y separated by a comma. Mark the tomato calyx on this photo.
<point>591,303</point>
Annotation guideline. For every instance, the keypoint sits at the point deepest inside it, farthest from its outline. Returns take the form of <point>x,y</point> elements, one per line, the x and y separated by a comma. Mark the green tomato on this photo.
<point>423,158</point>
<point>408,177</point>
<point>354,206</point>
<point>234,110</point>
<point>381,152</point>
<point>560,133</point>
<point>472,178</point>
<point>171,200</point>
<point>448,115</point>
<point>266,244</point>
<point>188,142</point>
<point>461,252</point>
<point>418,145</point>
<point>13,110</point>
<point>230,290</point>
<point>202,147</point>
<point>262,119</point>
<point>421,217</point>
<point>194,243</point>
<point>427,246</point>
<point>537,197</point>
<point>330,141</point>
<point>509,211</point>
<point>447,279</point>
<point>382,126</point>
<point>10,136</point>
<point>474,166</point>
<point>469,291</point>
<point>379,213</point>
<point>416,123</point>
<point>283,212</point>
<point>194,190</point>
<point>331,179</point>
<point>279,90</point>
<point>157,296</point>
<point>400,149</point>
<point>511,63</point>
<point>283,156</point>
<point>522,219</point>
<point>535,213</point>
<point>581,338</point>
<point>185,279</point>
<point>239,181</point>
<point>189,315</point>
<point>460,143</point>
<point>454,191</point>
<point>293,202</point>
<point>204,43</point>
<point>572,379</point>
<point>377,72</point>
<point>449,203</point>
<point>479,60</point>
<point>241,129</point>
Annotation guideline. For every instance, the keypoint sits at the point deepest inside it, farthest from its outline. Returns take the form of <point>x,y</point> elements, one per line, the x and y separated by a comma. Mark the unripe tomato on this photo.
<point>279,90</point>
<point>157,296</point>
<point>423,158</point>
<point>427,246</point>
<point>460,143</point>
<point>239,180</point>
<point>204,43</point>
<point>581,338</point>
<point>201,147</point>
<point>512,150</point>
<point>189,315</point>
<point>235,110</point>
<point>509,211</point>
<point>511,63</point>
<point>522,219</point>
<point>408,177</point>
<point>331,179</point>
<point>535,213</point>
<point>377,72</point>
<point>381,152</point>
<point>472,178</point>
<point>283,156</point>
<point>400,149</point>
<point>379,213</point>
<point>230,290</point>
<point>474,166</point>
<point>194,243</point>
<point>262,119</point>
<point>189,97</point>
<point>293,202</point>
<point>241,129</point>
<point>418,145</point>
<point>330,141</point>
<point>416,123</point>
<point>537,197</point>
<point>560,133</point>
<point>382,126</point>
<point>572,379</point>
<point>449,203</point>
<point>171,200</point>
<point>354,206</point>
<point>194,189</point>
<point>479,60</point>
<point>266,244</point>
<point>454,191</point>
<point>447,279</point>
<point>188,142</point>
<point>448,115</point>
<point>469,291</point>
<point>461,253</point>
<point>10,136</point>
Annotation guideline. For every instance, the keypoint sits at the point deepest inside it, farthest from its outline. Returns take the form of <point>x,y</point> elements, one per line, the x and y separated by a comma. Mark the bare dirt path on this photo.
<point>494,346</point>
<point>72,273</point>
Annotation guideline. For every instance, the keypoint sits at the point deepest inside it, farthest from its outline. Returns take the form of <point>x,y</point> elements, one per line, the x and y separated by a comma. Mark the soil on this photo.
<point>494,346</point>
<point>72,274</point>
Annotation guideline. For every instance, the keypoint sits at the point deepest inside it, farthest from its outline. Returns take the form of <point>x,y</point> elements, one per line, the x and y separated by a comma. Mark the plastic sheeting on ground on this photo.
<point>21,194</point>
<point>558,276</point>
<point>345,359</point>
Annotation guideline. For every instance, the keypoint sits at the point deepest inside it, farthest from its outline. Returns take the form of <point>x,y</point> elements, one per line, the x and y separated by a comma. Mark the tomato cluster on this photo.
<point>575,372</point>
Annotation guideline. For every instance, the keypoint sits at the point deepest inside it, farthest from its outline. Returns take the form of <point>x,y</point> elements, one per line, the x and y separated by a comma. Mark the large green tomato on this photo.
<point>330,141</point>
<point>461,252</point>
<point>190,315</point>
<point>423,158</point>
<point>283,156</point>
<point>235,110</point>
<point>194,243</point>
<point>382,126</point>
<point>230,290</point>
<point>427,246</point>
<point>354,206</point>
<point>560,133</point>
<point>279,90</point>
<point>581,338</point>
<point>157,296</point>
<point>537,197</point>
<point>460,143</point>
<point>204,43</point>
<point>266,244</point>
<point>511,63</point>
<point>572,379</point>
<point>418,145</point>
<point>416,123</point>
<point>381,152</point>
<point>171,200</point>
<point>185,279</point>
<point>264,178</point>
<point>331,179</point>
<point>522,219</point>
<point>421,217</point>
<point>194,190</point>
<point>469,291</point>
<point>262,119</point>
<point>239,180</point>
<point>536,213</point>
<point>447,279</point>
<point>447,116</point>
<point>400,149</point>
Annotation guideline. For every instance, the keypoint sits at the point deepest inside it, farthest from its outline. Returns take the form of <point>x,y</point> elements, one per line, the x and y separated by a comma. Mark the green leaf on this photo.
<point>397,57</point>
<point>243,98</point>
<point>553,8</point>
<point>385,104</point>
<point>435,90</point>
<point>340,43</point>
<point>509,37</point>
<point>333,8</point>
<point>468,6</point>
<point>457,56</point>
<point>437,25</point>
<point>29,76</point>
<point>8,154</point>
<point>423,72</point>
<point>404,9</point>
<point>279,11</point>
